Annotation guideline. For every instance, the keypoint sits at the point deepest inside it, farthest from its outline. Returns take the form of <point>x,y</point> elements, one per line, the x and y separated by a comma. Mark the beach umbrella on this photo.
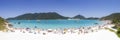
<point>49,30</point>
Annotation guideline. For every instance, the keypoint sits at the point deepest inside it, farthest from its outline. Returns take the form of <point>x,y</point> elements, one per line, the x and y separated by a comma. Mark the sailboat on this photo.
<point>69,18</point>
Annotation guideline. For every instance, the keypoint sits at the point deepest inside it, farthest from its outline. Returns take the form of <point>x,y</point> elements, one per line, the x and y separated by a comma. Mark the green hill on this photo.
<point>36,16</point>
<point>115,18</point>
<point>40,16</point>
<point>92,18</point>
<point>78,17</point>
<point>2,24</point>
<point>112,16</point>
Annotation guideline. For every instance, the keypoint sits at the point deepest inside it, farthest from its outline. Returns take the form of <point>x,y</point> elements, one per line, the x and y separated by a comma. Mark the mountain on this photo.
<point>38,16</point>
<point>92,18</point>
<point>2,24</point>
<point>78,17</point>
<point>111,16</point>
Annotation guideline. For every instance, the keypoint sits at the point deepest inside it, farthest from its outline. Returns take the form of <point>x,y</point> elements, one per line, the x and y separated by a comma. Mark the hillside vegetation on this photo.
<point>2,24</point>
<point>40,16</point>
<point>115,18</point>
<point>112,16</point>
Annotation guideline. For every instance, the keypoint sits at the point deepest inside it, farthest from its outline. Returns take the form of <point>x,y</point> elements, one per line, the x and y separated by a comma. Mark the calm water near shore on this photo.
<point>54,24</point>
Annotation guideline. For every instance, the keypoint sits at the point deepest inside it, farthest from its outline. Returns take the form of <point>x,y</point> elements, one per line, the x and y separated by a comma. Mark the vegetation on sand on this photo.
<point>115,18</point>
<point>118,32</point>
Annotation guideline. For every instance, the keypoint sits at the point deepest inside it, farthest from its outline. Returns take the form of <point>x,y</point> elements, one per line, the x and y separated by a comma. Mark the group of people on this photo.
<point>81,30</point>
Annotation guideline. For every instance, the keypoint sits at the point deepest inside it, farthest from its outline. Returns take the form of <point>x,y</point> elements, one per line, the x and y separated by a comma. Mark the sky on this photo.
<point>69,8</point>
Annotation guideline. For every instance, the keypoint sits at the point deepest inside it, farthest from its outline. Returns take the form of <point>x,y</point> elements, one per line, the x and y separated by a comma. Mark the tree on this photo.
<point>116,21</point>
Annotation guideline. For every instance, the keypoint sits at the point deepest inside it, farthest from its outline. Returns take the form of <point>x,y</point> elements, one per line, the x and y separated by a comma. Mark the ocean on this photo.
<point>54,24</point>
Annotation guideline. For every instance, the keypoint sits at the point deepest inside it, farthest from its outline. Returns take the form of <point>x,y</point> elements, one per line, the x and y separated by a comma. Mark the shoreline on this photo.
<point>83,33</point>
<point>19,24</point>
<point>102,34</point>
<point>81,30</point>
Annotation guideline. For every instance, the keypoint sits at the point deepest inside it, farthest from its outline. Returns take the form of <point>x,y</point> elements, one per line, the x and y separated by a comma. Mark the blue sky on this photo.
<point>70,8</point>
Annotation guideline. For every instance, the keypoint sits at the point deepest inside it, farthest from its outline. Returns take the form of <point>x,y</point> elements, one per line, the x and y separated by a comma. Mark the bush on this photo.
<point>118,32</point>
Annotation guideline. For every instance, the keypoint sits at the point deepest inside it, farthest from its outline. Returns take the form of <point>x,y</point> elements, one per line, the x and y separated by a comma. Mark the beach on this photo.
<point>59,19</point>
<point>94,33</point>
<point>100,35</point>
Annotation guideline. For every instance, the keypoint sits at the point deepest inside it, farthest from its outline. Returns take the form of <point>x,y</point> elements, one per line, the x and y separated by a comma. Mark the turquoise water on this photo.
<point>53,24</point>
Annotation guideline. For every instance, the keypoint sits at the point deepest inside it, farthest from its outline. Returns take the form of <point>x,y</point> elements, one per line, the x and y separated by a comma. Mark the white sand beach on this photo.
<point>90,33</point>
<point>100,35</point>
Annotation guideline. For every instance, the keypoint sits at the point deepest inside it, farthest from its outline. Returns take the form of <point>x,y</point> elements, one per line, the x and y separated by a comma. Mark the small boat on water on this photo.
<point>73,19</point>
<point>69,19</point>
<point>37,20</point>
